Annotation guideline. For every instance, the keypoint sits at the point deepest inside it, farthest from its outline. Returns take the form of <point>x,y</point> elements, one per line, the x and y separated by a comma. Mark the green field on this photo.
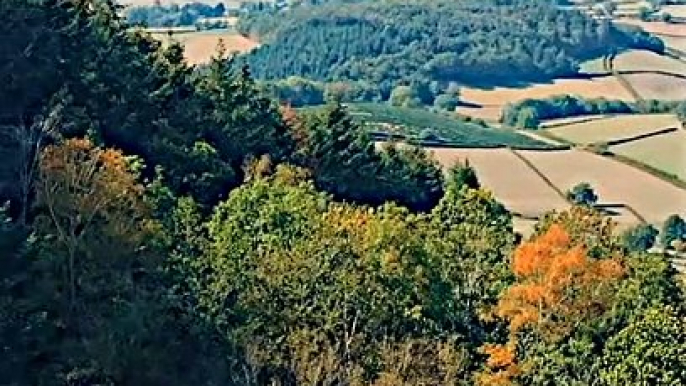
<point>665,152</point>
<point>414,122</point>
<point>614,128</point>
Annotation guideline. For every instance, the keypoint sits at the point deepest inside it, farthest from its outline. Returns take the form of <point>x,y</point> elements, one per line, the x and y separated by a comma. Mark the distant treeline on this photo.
<point>529,113</point>
<point>386,43</point>
<point>173,15</point>
<point>298,92</point>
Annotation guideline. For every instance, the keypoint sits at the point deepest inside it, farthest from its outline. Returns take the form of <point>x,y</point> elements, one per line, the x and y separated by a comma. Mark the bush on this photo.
<point>446,102</point>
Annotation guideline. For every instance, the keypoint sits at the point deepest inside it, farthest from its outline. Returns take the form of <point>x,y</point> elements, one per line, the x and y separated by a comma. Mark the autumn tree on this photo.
<point>559,289</point>
<point>307,284</point>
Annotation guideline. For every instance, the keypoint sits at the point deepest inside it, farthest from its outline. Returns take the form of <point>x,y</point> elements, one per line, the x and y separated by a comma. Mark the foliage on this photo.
<point>172,16</point>
<point>312,283</point>
<point>447,102</point>
<point>640,238</point>
<point>463,175</point>
<point>651,350</point>
<point>582,194</point>
<point>674,229</point>
<point>155,234</point>
<point>520,114</point>
<point>345,162</point>
<point>467,41</point>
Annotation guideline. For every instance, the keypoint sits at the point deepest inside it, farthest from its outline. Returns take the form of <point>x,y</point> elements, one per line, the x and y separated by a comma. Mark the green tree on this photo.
<point>674,229</point>
<point>651,350</point>
<point>405,96</point>
<point>305,283</point>
<point>462,175</point>
<point>527,119</point>
<point>582,194</point>
<point>640,238</point>
<point>447,102</point>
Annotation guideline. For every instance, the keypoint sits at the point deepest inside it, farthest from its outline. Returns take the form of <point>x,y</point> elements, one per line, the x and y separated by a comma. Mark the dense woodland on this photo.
<point>170,226</point>
<point>387,42</point>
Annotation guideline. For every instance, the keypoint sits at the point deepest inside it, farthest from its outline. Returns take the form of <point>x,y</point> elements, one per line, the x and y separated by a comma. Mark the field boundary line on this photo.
<point>662,175</point>
<point>639,137</point>
<point>583,120</point>
<point>628,86</point>
<point>540,174</point>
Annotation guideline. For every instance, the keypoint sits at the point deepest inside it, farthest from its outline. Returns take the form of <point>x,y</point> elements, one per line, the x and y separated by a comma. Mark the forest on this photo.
<point>386,42</point>
<point>167,225</point>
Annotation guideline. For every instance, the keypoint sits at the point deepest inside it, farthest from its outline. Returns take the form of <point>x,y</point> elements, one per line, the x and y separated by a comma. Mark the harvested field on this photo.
<point>665,152</point>
<point>614,128</point>
<point>638,60</point>
<point>658,86</point>
<point>492,100</point>
<point>656,27</point>
<point>675,42</point>
<point>674,10</point>
<point>615,183</point>
<point>201,46</point>
<point>511,180</point>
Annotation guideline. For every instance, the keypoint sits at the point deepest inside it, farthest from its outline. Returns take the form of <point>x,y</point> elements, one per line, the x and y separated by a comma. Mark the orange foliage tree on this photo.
<point>90,206</point>
<point>558,288</point>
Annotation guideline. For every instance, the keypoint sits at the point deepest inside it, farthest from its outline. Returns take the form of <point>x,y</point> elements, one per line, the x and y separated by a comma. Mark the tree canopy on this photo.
<point>389,42</point>
<point>168,225</point>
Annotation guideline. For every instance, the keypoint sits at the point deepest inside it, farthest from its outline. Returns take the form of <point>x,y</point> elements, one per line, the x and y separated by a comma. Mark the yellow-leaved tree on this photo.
<point>92,213</point>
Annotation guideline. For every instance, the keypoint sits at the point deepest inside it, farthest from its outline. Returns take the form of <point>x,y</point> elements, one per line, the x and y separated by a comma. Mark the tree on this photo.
<point>644,13</point>
<point>640,238</point>
<point>310,284</point>
<point>447,102</point>
<point>462,175</point>
<point>674,229</point>
<point>651,350</point>
<point>405,96</point>
<point>582,194</point>
<point>666,17</point>
<point>558,292</point>
<point>681,113</point>
<point>527,119</point>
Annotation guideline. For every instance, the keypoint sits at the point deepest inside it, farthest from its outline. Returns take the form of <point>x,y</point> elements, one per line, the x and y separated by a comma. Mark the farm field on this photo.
<point>637,60</point>
<point>412,122</point>
<point>200,46</point>
<point>658,86</point>
<point>665,152</point>
<point>614,128</point>
<point>494,99</point>
<point>509,178</point>
<point>656,27</point>
<point>615,183</point>
<point>674,10</point>
<point>675,42</point>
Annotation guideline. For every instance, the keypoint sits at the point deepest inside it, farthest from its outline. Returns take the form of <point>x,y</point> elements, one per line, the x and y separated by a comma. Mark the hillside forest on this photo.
<point>470,42</point>
<point>171,225</point>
